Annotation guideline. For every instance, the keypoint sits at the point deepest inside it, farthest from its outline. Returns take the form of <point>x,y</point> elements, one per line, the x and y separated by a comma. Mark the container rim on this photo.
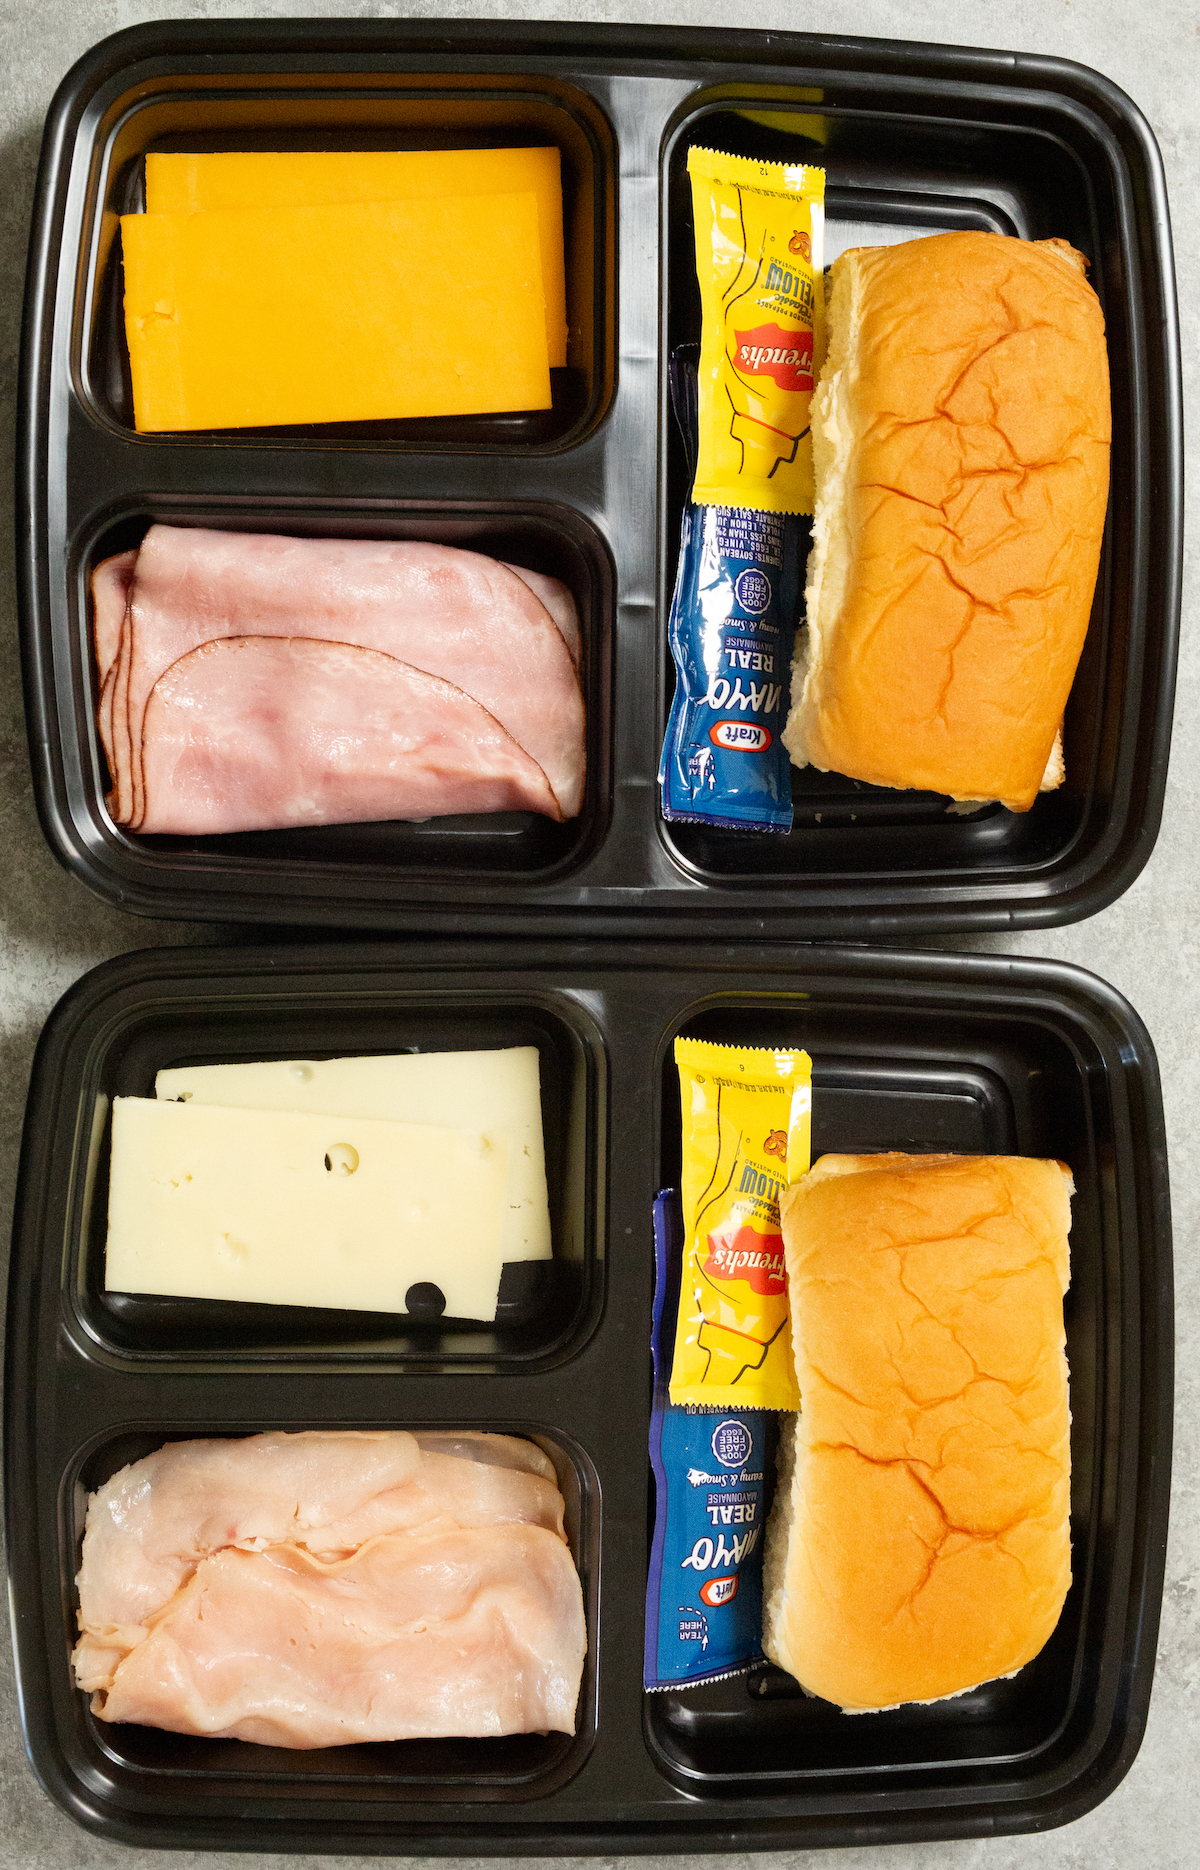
<point>1054,993</point>
<point>350,896</point>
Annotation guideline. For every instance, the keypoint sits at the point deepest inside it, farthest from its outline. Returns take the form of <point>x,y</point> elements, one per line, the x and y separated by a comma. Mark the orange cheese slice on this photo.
<point>248,317</point>
<point>311,178</point>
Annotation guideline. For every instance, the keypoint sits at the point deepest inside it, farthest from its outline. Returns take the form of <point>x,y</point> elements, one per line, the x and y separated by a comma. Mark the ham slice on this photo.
<point>557,598</point>
<point>255,732</point>
<point>457,615</point>
<point>111,584</point>
<point>306,1589</point>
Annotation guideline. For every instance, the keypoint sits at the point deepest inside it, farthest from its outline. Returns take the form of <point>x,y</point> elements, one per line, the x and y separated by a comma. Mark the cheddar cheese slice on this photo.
<point>184,184</point>
<point>359,311</point>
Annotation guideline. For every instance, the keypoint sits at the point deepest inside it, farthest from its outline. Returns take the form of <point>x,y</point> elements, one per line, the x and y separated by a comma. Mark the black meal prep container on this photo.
<point>912,1051</point>
<point>914,138</point>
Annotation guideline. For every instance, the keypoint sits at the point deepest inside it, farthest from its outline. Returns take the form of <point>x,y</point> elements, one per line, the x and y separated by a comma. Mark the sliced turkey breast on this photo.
<point>154,1521</point>
<point>415,1635</point>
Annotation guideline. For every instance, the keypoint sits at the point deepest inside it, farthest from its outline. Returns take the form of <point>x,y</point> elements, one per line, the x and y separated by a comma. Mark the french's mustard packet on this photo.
<point>746,1136</point>
<point>759,230</point>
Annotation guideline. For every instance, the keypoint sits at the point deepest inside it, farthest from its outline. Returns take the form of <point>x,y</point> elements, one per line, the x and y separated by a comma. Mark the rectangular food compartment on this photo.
<point>914,138</point>
<point>886,182</point>
<point>513,846</point>
<point>911,1051</point>
<point>967,1084</point>
<point>546,1308</point>
<point>188,1769</point>
<point>202,112</point>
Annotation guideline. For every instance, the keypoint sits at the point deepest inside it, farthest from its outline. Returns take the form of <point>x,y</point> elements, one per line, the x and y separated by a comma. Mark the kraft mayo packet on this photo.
<point>704,1592</point>
<point>733,618</point>
<point>746,1115</point>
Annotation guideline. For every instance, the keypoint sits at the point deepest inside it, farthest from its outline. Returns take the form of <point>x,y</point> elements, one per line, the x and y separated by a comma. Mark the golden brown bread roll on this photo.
<point>961,433</point>
<point>919,1543</point>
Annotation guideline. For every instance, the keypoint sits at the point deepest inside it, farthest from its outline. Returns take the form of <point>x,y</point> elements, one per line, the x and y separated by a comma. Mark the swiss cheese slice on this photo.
<point>287,1208</point>
<point>193,184</point>
<point>252,317</point>
<point>496,1092</point>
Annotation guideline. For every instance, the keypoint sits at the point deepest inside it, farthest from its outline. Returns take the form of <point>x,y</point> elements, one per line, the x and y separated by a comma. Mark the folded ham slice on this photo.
<point>556,597</point>
<point>251,733</point>
<point>509,640</point>
<point>111,584</point>
<point>305,1589</point>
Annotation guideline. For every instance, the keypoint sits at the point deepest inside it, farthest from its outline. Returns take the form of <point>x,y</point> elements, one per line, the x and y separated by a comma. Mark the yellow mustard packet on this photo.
<point>759,230</point>
<point>746,1136</point>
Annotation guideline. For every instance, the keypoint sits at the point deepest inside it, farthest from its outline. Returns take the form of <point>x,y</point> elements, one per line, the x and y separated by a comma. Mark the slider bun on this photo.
<point>919,1544</point>
<point>961,433</point>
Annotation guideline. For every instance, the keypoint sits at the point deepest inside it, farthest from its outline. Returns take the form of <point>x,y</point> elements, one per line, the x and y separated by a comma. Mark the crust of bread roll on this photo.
<point>961,431</point>
<point>919,1544</point>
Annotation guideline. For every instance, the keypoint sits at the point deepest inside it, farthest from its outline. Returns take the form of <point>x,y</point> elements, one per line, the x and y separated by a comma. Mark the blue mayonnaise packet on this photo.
<point>733,621</point>
<point>704,1591</point>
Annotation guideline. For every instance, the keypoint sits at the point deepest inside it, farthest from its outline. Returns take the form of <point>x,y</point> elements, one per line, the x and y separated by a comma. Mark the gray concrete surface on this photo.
<point>1148,944</point>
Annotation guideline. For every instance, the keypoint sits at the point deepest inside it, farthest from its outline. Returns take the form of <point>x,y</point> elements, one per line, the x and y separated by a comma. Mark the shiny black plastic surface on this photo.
<point>911,1051</point>
<point>914,138</point>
